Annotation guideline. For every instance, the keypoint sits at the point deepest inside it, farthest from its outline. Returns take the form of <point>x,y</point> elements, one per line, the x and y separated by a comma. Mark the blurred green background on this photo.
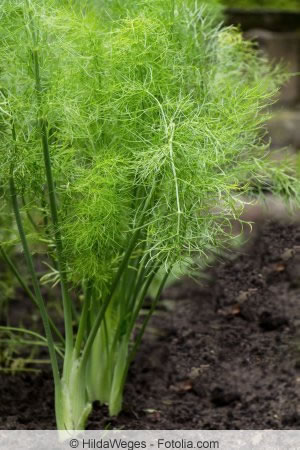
<point>288,5</point>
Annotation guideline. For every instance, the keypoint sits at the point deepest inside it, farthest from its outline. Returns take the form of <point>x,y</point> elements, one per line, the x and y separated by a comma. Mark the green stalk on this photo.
<point>119,347</point>
<point>100,366</point>
<point>83,320</point>
<point>24,286</point>
<point>143,294</point>
<point>71,403</point>
<point>29,216</point>
<point>118,381</point>
<point>148,317</point>
<point>125,360</point>
<point>44,213</point>
<point>54,215</point>
<point>35,283</point>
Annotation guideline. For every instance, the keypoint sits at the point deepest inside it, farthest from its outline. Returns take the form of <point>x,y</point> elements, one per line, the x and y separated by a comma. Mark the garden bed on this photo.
<point>222,356</point>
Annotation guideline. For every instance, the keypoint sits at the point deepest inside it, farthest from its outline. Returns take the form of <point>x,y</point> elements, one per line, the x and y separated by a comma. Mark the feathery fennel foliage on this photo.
<point>133,129</point>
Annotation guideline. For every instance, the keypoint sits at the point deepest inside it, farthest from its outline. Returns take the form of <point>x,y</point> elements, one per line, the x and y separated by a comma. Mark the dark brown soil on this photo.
<point>222,356</point>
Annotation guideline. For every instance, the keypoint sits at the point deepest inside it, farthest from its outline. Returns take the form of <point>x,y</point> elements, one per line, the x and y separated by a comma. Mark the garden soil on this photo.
<point>221,355</point>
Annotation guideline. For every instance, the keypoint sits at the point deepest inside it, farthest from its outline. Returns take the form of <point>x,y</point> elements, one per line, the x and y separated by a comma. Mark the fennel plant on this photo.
<point>131,133</point>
